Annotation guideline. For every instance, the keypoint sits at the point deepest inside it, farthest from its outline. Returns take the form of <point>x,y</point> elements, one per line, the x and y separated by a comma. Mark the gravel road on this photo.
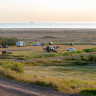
<point>10,87</point>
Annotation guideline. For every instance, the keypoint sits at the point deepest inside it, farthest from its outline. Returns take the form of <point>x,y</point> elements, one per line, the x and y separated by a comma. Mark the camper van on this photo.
<point>20,43</point>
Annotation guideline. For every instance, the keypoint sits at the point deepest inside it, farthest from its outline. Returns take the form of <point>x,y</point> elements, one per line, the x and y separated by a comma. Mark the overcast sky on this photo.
<point>48,10</point>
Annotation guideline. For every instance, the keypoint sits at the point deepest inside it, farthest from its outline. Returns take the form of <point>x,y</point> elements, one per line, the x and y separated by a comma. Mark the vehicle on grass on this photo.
<point>49,49</point>
<point>5,46</point>
<point>38,44</point>
<point>20,43</point>
<point>50,43</point>
<point>71,49</point>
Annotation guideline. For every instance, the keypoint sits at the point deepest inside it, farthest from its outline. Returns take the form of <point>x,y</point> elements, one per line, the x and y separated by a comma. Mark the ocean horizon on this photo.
<point>48,25</point>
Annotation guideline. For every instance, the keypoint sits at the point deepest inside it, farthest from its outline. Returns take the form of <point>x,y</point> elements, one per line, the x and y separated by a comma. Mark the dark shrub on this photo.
<point>79,62</point>
<point>8,41</point>
<point>90,50</point>
<point>88,92</point>
<point>83,58</point>
<point>92,58</point>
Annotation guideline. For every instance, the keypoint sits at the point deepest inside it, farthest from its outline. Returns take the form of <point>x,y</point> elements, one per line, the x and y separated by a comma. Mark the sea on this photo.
<point>48,25</point>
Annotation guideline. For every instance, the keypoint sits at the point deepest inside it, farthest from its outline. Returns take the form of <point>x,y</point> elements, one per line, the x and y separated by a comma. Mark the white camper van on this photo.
<point>20,44</point>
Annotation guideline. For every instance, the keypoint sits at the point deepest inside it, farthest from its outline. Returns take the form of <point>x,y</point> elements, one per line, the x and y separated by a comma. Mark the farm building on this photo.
<point>20,43</point>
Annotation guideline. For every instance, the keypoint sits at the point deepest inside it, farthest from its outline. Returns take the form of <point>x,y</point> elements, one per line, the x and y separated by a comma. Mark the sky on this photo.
<point>47,11</point>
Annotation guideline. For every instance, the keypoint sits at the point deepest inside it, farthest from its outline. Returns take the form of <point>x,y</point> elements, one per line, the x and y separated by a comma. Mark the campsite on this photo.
<point>47,47</point>
<point>30,63</point>
<point>32,51</point>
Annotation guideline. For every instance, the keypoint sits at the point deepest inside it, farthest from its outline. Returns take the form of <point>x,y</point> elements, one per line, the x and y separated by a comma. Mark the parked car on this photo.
<point>38,44</point>
<point>71,49</point>
<point>5,46</point>
<point>49,48</point>
<point>50,43</point>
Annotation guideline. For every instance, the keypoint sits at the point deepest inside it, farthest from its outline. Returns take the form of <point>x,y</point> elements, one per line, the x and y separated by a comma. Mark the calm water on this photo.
<point>47,25</point>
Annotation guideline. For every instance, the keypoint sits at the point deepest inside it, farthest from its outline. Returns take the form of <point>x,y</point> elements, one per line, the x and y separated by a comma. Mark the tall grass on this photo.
<point>45,62</point>
<point>10,70</point>
<point>75,43</point>
<point>45,55</point>
<point>71,53</point>
<point>83,60</point>
<point>15,66</point>
<point>41,55</point>
<point>64,85</point>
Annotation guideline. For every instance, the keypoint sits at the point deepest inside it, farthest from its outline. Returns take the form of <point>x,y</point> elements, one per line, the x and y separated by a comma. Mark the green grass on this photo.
<point>44,55</point>
<point>69,79</point>
<point>71,53</point>
<point>82,43</point>
<point>22,56</point>
<point>72,78</point>
<point>89,50</point>
<point>67,85</point>
<point>75,43</point>
<point>9,64</point>
<point>47,62</point>
<point>71,75</point>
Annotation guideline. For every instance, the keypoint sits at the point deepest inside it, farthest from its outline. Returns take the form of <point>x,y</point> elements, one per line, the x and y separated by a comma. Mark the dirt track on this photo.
<point>14,88</point>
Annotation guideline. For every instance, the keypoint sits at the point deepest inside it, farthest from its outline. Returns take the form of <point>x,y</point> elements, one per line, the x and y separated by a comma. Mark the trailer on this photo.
<point>20,43</point>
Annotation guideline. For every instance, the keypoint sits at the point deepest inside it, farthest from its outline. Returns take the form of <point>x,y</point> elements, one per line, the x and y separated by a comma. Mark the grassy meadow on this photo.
<point>61,75</point>
<point>69,75</point>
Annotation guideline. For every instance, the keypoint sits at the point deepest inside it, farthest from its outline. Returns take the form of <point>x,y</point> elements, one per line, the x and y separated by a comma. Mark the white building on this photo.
<point>20,44</point>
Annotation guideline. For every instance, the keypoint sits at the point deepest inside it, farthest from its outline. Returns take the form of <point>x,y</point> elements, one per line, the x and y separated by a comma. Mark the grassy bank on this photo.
<point>57,74</point>
<point>67,85</point>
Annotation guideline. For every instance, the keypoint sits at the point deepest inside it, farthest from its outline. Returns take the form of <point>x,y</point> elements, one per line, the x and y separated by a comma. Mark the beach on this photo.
<point>51,34</point>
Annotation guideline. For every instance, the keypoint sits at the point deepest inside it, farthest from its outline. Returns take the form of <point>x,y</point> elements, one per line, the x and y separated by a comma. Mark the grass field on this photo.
<point>62,75</point>
<point>28,50</point>
<point>57,74</point>
<point>65,78</point>
<point>64,72</point>
<point>68,78</point>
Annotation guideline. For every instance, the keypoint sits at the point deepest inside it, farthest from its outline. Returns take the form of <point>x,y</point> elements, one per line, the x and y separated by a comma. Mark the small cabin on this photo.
<point>20,43</point>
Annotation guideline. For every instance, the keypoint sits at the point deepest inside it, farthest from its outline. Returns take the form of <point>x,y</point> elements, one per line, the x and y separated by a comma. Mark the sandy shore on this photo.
<point>46,35</point>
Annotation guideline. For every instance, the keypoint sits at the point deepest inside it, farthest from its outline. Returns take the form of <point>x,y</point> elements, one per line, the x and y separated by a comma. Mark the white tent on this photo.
<point>20,43</point>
